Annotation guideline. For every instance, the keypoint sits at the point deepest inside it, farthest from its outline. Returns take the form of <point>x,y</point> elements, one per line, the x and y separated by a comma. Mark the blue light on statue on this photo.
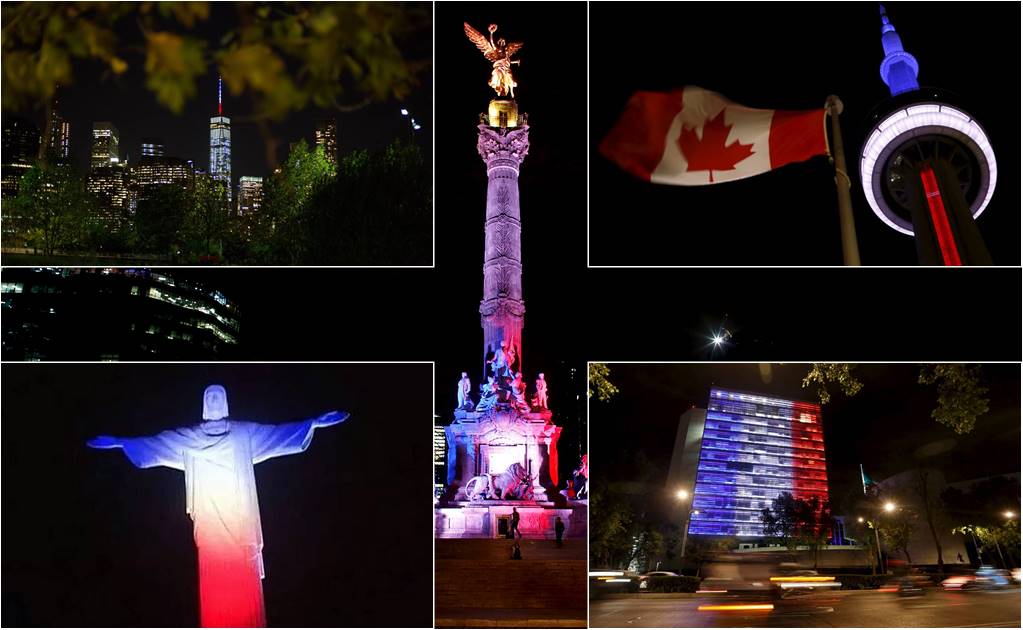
<point>899,68</point>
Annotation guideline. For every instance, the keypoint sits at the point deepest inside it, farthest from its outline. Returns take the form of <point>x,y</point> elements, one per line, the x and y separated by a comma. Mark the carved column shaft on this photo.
<point>502,308</point>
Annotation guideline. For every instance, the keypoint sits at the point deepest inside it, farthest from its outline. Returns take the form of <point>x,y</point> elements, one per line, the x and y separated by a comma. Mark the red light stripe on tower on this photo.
<point>220,94</point>
<point>939,217</point>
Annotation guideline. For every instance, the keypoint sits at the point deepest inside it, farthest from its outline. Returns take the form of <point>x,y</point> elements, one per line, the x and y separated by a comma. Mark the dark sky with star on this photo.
<point>789,56</point>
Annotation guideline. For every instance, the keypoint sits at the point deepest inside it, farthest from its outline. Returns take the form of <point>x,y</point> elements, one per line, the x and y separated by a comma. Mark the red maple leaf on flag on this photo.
<point>710,153</point>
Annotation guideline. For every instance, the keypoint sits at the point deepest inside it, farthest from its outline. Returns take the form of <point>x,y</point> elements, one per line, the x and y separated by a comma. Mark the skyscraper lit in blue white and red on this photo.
<point>741,453</point>
<point>220,143</point>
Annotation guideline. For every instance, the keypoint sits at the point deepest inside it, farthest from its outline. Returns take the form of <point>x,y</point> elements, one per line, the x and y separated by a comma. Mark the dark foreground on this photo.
<point>842,609</point>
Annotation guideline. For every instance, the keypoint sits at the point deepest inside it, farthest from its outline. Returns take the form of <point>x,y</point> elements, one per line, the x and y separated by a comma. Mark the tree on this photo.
<point>897,530</point>
<point>961,397</point>
<point>824,375</point>
<point>863,533</point>
<point>610,520</point>
<point>981,513</point>
<point>927,497</point>
<point>280,237</point>
<point>206,217</point>
<point>795,523</point>
<point>378,210</point>
<point>599,383</point>
<point>159,219</point>
<point>52,208</point>
<point>283,56</point>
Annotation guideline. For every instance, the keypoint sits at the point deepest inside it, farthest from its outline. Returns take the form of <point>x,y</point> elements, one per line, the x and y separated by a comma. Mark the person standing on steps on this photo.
<point>515,523</point>
<point>559,530</point>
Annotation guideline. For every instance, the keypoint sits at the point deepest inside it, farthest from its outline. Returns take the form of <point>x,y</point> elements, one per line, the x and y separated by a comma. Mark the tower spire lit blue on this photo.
<point>899,68</point>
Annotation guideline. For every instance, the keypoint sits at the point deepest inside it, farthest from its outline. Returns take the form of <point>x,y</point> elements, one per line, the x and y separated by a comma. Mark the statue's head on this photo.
<point>501,43</point>
<point>540,376</point>
<point>464,374</point>
<point>214,403</point>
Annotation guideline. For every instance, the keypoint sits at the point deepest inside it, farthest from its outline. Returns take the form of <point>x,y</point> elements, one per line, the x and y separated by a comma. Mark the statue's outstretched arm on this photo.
<point>163,449</point>
<point>105,441</point>
<point>277,440</point>
<point>330,418</point>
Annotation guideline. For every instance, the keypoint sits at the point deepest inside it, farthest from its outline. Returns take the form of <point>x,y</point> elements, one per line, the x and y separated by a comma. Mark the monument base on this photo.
<point>492,519</point>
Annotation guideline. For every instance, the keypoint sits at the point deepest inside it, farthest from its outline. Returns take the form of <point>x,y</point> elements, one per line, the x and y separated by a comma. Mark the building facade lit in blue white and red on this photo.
<point>754,448</point>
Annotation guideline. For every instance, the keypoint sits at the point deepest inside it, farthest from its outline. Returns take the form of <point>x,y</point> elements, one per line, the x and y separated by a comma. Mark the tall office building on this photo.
<point>250,194</point>
<point>20,147</point>
<point>751,449</point>
<point>151,173</point>
<point>326,137</point>
<point>60,134</point>
<point>104,145</point>
<point>220,143</point>
<point>110,185</point>
<point>153,147</point>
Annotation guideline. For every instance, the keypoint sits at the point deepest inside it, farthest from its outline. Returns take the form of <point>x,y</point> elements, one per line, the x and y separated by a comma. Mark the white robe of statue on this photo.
<point>218,458</point>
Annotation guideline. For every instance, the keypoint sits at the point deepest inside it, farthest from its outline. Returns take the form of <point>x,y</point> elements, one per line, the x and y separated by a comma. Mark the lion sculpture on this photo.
<point>514,483</point>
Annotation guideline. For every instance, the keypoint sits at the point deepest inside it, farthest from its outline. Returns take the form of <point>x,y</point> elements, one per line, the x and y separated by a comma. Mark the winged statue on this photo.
<point>500,53</point>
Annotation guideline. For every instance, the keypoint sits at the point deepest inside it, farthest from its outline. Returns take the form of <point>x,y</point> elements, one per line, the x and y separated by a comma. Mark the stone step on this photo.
<point>500,549</point>
<point>509,584</point>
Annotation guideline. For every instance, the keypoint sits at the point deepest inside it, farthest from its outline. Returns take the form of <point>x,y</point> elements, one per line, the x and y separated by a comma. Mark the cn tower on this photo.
<point>927,167</point>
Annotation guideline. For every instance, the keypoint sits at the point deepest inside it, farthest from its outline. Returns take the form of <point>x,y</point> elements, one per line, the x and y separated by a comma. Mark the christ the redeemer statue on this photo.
<point>218,457</point>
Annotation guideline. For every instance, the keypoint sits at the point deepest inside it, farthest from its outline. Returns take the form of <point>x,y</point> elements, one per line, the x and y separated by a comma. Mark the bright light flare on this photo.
<point>859,519</point>
<point>889,507</point>
<point>404,112</point>
<point>1010,515</point>
<point>682,495</point>
<point>804,578</point>
<point>736,607</point>
<point>718,340</point>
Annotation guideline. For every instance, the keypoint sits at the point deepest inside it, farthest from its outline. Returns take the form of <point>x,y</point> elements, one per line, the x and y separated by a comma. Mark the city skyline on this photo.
<point>95,94</point>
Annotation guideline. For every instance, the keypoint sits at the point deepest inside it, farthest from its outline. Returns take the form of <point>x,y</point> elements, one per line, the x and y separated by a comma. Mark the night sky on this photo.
<point>887,426</point>
<point>90,540</point>
<point>788,56</point>
<point>98,95</point>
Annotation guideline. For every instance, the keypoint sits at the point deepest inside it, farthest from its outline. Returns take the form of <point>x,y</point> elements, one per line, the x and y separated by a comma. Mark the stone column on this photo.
<point>502,308</point>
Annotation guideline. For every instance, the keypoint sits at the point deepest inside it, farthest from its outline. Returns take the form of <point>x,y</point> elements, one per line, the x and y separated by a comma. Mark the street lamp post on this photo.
<point>683,496</point>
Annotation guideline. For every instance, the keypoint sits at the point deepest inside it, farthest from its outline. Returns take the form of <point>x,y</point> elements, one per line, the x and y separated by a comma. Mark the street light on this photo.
<point>859,519</point>
<point>1009,515</point>
<point>683,495</point>
<point>889,507</point>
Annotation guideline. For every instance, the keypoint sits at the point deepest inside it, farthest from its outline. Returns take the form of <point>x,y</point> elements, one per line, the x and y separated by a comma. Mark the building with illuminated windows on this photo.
<point>113,314</point>
<point>153,147</point>
<point>220,144</point>
<point>110,185</point>
<point>60,134</point>
<point>250,194</point>
<point>151,173</point>
<point>736,456</point>
<point>20,148</point>
<point>326,137</point>
<point>104,145</point>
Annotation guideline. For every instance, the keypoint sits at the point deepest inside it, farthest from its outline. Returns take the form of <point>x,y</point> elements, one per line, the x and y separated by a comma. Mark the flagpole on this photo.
<point>850,249</point>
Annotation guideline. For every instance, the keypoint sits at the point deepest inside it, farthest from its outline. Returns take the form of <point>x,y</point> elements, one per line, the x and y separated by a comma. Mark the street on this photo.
<point>870,609</point>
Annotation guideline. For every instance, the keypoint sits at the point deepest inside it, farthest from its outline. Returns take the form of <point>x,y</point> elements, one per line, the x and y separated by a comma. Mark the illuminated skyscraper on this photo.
<point>110,185</point>
<point>326,137</point>
<point>250,194</point>
<point>751,449</point>
<point>153,147</point>
<point>104,145</point>
<point>927,167</point>
<point>20,147</point>
<point>60,134</point>
<point>220,143</point>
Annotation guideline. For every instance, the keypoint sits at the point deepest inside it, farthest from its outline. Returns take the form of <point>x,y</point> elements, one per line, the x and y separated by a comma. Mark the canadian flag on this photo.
<point>692,137</point>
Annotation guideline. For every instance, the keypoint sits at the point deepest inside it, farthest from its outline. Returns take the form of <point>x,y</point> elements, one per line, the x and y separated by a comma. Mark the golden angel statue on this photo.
<point>500,53</point>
